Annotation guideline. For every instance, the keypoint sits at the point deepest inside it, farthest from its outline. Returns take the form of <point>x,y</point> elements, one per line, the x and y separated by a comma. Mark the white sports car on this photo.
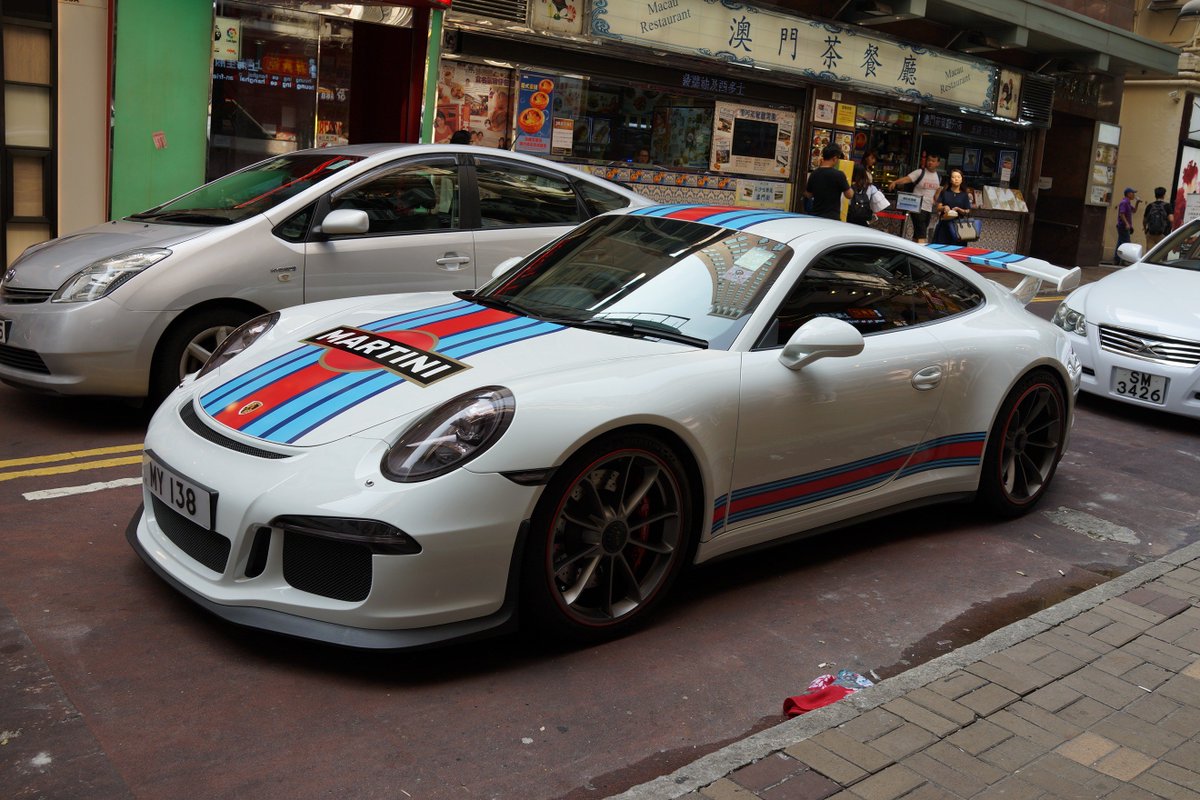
<point>651,390</point>
<point>1137,331</point>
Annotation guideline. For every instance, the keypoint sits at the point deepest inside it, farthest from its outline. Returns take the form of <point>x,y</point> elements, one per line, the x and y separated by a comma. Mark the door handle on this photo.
<point>927,378</point>
<point>450,262</point>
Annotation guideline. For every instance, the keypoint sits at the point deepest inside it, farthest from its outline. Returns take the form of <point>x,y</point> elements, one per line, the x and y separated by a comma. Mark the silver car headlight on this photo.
<point>239,340</point>
<point>1070,320</point>
<point>102,277</point>
<point>450,435</point>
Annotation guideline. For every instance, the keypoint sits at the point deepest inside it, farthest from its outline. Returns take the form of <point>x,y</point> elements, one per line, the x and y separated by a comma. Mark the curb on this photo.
<point>714,766</point>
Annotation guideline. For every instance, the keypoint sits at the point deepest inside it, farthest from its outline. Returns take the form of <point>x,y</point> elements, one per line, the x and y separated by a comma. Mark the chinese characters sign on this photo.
<point>747,35</point>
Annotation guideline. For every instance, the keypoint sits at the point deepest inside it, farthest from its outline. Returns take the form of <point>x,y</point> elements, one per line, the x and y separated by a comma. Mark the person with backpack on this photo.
<point>860,211</point>
<point>953,203</point>
<point>1157,219</point>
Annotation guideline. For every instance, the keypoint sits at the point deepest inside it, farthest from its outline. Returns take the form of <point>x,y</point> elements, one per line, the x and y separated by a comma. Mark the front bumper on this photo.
<point>1183,388</point>
<point>461,584</point>
<point>97,348</point>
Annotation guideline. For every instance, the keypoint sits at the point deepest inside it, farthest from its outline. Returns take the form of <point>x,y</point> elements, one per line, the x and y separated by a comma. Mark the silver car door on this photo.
<point>415,242</point>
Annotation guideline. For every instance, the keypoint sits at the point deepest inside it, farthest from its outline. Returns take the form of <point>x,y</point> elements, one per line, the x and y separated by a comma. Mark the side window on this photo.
<point>869,287</point>
<point>295,227</point>
<point>409,198</point>
<point>513,194</point>
<point>598,199</point>
<point>945,293</point>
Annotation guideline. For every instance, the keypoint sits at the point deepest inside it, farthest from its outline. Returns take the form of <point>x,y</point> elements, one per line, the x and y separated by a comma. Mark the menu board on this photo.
<point>1105,143</point>
<point>752,140</point>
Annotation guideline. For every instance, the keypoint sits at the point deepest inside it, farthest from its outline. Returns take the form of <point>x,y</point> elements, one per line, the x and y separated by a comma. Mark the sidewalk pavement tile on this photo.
<point>1058,663</point>
<point>1186,755</point>
<point>1147,676</point>
<point>1118,662</point>
<point>1085,712</point>
<point>829,764</point>
<point>942,706</point>
<point>1074,643</point>
<point>1054,697</point>
<point>1125,764</point>
<point>1044,719</point>
<point>1164,604</point>
<point>957,684</point>
<point>1180,625</point>
<point>1106,688</point>
<point>917,715</point>
<point>1089,621</point>
<point>1154,781</point>
<point>1087,748</point>
<point>930,792</point>
<point>979,736</point>
<point>945,777</point>
<point>806,785</point>
<point>725,789</point>
<point>1009,674</point>
<point>1164,654</point>
<point>1011,788</point>
<point>904,741</point>
<point>1119,633</point>
<point>955,758</point>
<point>1192,671</point>
<point>862,755</point>
<point>766,771</point>
<point>1180,776</point>
<point>870,725</point>
<point>1185,721</point>
<point>1028,730</point>
<point>1118,607</point>
<point>1132,732</point>
<point>987,699</point>
<point>1012,754</point>
<point>1066,779</point>
<point>890,784</point>
<point>1028,651</point>
<point>1152,708</point>
<point>1183,689</point>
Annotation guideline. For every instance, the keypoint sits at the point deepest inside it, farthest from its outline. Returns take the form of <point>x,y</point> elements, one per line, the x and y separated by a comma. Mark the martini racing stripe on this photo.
<point>948,451</point>
<point>718,517</point>
<point>732,217</point>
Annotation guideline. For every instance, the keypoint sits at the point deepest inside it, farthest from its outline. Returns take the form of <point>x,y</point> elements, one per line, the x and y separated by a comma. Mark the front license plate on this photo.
<point>1139,385</point>
<point>186,497</point>
<point>5,327</point>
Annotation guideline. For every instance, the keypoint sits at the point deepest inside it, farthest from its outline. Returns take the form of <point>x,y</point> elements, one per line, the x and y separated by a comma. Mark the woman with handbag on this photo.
<point>952,205</point>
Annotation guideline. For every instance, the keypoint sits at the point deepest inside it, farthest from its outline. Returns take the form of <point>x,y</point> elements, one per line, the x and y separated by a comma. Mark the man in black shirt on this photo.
<point>827,185</point>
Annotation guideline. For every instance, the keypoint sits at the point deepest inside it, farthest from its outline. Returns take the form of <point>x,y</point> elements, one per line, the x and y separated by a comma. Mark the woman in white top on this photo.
<point>926,183</point>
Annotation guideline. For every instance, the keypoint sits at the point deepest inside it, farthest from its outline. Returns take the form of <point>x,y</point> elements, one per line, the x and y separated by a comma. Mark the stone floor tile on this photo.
<point>1126,729</point>
<point>725,789</point>
<point>904,741</point>
<point>1127,791</point>
<point>948,778</point>
<point>1163,788</point>
<point>1059,664</point>
<point>1089,621</point>
<point>890,784</point>
<point>942,706</point>
<point>1186,755</point>
<point>1165,654</point>
<point>829,764</point>
<point>930,792</point>
<point>1109,690</point>
<point>1152,708</point>
<point>1185,721</point>
<point>1189,641</point>
<point>988,699</point>
<point>1118,662</point>
<point>1125,764</point>
<point>1009,674</point>
<point>1087,748</point>
<point>1119,609</point>
<point>923,717</point>
<point>806,785</point>
<point>979,736</point>
<point>1187,777</point>
<point>1064,778</point>
<point>871,725</point>
<point>1183,689</point>
<point>1013,753</point>
<point>1085,712</point>
<point>766,771</point>
<point>965,763</point>
<point>1054,697</point>
<point>1147,676</point>
<point>1118,634</point>
<point>862,755</point>
<point>1011,788</point>
<point>1022,727</point>
<point>956,685</point>
<point>1044,719</point>
<point>1169,606</point>
<point>1192,671</point>
<point>1028,651</point>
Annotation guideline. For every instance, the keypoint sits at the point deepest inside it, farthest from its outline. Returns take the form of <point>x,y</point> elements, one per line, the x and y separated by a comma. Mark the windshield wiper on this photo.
<point>632,328</point>
<point>192,216</point>
<point>501,303</point>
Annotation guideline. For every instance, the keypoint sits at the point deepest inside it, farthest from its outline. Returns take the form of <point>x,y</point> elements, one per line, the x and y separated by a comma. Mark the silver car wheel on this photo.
<point>201,346</point>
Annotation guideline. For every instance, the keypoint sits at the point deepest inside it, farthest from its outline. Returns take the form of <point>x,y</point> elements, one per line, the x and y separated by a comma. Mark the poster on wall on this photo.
<point>682,136</point>
<point>820,138</point>
<point>762,194</point>
<point>479,95</point>
<point>843,139</point>
<point>1187,196</point>
<point>1105,142</point>
<point>227,39</point>
<point>535,93</point>
<point>824,111</point>
<point>1008,96</point>
<point>561,16</point>
<point>752,140</point>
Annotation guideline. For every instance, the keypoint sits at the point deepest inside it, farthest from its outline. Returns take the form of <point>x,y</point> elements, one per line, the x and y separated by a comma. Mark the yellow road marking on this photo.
<point>48,459</point>
<point>104,462</point>
<point>1053,299</point>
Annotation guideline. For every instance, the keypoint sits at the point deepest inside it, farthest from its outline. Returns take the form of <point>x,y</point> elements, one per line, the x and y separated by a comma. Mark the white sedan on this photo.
<point>652,390</point>
<point>1137,330</point>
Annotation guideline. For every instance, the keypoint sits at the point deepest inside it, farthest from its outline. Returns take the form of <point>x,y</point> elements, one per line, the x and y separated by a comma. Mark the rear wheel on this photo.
<point>1025,446</point>
<point>610,534</point>
<point>188,344</point>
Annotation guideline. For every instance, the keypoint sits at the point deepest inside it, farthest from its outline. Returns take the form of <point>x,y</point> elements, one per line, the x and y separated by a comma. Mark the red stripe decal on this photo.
<point>701,212</point>
<point>832,482</point>
<point>271,396</point>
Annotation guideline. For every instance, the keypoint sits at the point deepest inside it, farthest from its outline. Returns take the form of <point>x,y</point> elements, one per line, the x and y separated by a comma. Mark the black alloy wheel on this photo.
<point>1025,446</point>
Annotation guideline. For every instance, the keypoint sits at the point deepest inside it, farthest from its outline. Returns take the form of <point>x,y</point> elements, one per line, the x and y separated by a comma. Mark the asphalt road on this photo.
<point>114,686</point>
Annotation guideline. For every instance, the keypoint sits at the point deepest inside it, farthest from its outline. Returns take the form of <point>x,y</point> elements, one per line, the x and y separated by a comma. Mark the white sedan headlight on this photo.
<point>101,277</point>
<point>1070,320</point>
<point>450,435</point>
<point>239,340</point>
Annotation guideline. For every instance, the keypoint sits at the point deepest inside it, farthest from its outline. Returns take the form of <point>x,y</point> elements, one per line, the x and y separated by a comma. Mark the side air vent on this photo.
<point>511,10</point>
<point>1037,100</point>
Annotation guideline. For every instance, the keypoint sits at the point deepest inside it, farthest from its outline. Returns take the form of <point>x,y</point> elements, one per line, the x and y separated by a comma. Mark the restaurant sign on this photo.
<point>854,57</point>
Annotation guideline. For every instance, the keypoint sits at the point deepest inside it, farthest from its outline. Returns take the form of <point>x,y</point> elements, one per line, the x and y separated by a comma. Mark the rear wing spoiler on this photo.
<point>1035,270</point>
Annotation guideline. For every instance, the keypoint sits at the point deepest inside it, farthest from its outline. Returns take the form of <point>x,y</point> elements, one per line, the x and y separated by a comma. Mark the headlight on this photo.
<point>450,435</point>
<point>238,341</point>
<point>1070,320</point>
<point>101,277</point>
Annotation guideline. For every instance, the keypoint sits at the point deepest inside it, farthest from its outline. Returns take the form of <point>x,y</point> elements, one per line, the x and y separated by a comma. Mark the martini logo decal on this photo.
<point>396,353</point>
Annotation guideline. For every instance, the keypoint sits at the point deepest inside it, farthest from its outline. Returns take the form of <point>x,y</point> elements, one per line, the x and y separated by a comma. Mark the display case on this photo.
<point>889,132</point>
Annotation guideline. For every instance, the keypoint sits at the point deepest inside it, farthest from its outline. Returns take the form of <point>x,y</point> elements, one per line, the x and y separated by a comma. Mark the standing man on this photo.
<point>926,183</point>
<point>827,185</point>
<point>1157,219</point>
<point>1125,211</point>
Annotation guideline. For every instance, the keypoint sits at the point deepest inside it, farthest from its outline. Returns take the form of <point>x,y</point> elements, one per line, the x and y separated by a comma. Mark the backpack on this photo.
<point>859,211</point>
<point>1156,221</point>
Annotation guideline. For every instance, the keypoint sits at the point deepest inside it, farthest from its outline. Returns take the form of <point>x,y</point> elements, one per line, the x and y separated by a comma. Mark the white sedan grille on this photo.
<point>1150,346</point>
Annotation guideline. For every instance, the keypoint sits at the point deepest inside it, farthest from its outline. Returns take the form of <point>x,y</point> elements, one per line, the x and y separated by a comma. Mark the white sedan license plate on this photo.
<point>185,497</point>
<point>1139,385</point>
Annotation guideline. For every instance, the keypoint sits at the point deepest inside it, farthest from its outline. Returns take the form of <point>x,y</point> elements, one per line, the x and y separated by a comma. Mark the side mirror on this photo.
<point>1129,252</point>
<point>821,337</point>
<point>504,266</point>
<point>344,220</point>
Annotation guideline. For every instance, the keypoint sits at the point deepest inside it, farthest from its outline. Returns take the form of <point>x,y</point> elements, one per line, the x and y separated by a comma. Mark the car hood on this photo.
<point>1148,299</point>
<point>329,372</point>
<point>52,264</point>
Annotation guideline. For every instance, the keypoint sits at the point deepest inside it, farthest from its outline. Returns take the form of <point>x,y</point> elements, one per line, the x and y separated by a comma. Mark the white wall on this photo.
<point>83,37</point>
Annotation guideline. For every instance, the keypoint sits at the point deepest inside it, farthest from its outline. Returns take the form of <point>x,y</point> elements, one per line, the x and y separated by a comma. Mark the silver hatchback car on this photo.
<point>128,307</point>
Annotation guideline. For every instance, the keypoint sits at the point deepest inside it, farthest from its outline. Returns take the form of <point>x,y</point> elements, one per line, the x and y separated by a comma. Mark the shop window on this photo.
<point>873,289</point>
<point>513,194</point>
<point>411,199</point>
<point>27,150</point>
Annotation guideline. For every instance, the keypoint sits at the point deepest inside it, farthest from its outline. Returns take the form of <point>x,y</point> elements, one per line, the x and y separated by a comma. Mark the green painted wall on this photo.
<point>163,69</point>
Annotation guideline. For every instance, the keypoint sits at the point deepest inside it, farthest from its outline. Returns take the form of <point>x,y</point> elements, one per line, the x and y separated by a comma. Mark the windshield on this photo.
<point>1181,249</point>
<point>643,274</point>
<point>250,191</point>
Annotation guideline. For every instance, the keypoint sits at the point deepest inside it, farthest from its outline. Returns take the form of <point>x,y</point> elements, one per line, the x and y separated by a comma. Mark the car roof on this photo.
<point>782,226</point>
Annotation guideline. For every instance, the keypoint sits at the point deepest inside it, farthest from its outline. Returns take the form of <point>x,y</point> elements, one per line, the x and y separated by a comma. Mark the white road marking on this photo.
<point>1099,529</point>
<point>66,491</point>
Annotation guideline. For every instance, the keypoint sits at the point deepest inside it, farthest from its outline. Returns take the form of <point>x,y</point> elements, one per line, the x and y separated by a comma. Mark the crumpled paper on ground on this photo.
<point>825,689</point>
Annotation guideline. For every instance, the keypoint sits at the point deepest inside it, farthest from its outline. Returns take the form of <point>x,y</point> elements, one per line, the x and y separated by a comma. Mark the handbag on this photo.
<point>966,230</point>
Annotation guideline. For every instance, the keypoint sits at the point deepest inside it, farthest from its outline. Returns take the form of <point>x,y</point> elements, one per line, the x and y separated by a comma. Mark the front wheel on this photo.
<point>1025,446</point>
<point>186,347</point>
<point>610,534</point>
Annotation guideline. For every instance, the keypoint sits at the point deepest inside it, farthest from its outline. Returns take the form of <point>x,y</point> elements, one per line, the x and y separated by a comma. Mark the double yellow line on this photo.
<point>11,468</point>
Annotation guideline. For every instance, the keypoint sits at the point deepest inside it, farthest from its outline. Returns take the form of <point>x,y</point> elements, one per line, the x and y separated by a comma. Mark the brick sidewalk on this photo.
<point>1097,697</point>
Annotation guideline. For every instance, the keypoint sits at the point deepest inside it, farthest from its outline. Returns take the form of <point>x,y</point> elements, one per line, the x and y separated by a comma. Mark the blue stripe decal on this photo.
<point>275,368</point>
<point>662,211</point>
<point>741,220</point>
<point>318,412</point>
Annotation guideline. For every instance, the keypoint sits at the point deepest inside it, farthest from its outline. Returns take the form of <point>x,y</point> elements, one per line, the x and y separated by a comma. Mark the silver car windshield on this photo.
<point>1181,249</point>
<point>647,276</point>
<point>249,191</point>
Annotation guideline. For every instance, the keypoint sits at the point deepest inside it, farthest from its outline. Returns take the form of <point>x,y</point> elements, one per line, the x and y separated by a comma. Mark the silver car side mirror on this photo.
<point>1130,252</point>
<point>344,220</point>
<point>504,266</point>
<point>821,337</point>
